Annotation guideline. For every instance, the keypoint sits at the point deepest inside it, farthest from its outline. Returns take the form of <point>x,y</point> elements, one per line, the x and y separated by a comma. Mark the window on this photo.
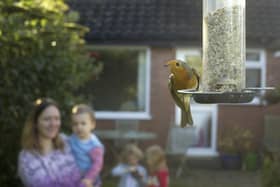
<point>121,91</point>
<point>255,70</point>
<point>204,115</point>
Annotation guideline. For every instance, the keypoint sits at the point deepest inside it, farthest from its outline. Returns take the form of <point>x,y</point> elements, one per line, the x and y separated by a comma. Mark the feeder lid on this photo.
<point>245,96</point>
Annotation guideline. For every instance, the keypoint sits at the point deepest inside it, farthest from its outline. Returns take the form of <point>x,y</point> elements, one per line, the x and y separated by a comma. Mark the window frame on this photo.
<point>196,107</point>
<point>141,115</point>
<point>259,65</point>
<point>212,150</point>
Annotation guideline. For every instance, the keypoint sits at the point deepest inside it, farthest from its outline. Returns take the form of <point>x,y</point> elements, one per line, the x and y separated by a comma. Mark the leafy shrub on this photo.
<point>271,170</point>
<point>42,54</point>
<point>273,97</point>
<point>235,140</point>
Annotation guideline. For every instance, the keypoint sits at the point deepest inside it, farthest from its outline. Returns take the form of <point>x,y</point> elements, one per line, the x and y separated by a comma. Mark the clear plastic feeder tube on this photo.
<point>223,45</point>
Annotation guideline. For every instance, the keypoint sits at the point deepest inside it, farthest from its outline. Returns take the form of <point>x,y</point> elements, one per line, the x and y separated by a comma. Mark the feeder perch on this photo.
<point>224,55</point>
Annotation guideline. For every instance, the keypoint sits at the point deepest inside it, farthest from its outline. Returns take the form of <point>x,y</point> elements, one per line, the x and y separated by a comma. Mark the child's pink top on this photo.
<point>160,178</point>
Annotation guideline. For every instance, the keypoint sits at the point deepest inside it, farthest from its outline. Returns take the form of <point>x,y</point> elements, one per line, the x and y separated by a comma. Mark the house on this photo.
<point>133,39</point>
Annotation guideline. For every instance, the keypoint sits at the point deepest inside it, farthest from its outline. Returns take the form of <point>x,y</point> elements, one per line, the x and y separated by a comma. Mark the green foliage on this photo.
<point>271,170</point>
<point>236,140</point>
<point>42,54</point>
<point>273,97</point>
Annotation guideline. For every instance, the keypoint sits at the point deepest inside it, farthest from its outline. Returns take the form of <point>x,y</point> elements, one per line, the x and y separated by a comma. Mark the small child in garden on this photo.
<point>86,147</point>
<point>158,170</point>
<point>131,173</point>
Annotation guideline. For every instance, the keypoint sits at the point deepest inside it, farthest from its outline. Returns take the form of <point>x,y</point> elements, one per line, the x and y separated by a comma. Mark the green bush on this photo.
<point>271,170</point>
<point>42,54</point>
<point>273,97</point>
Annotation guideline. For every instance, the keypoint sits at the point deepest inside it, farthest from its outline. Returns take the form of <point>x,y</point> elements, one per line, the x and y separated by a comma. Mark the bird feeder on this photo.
<point>224,54</point>
<point>223,45</point>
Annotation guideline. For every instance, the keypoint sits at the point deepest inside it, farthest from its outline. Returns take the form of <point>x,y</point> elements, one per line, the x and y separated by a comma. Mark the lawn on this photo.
<point>208,178</point>
<point>114,183</point>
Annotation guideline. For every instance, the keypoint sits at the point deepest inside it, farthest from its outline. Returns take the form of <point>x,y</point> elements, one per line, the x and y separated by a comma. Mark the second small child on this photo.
<point>158,170</point>
<point>131,173</point>
<point>86,147</point>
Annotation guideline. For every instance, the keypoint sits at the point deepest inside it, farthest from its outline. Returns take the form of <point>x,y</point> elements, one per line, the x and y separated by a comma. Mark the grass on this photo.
<point>193,176</point>
<point>209,178</point>
<point>114,183</point>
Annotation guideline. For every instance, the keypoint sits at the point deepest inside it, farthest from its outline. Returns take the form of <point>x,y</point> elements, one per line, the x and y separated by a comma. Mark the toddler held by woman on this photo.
<point>86,147</point>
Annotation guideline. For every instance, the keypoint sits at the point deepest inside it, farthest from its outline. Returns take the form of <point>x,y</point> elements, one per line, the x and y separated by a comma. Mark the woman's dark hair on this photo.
<point>30,139</point>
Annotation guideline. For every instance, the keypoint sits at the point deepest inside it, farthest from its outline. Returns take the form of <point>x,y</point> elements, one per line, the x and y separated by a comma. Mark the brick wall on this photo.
<point>162,106</point>
<point>252,117</point>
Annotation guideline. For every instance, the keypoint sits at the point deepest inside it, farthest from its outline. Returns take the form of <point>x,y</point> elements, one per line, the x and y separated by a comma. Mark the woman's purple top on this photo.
<point>56,169</point>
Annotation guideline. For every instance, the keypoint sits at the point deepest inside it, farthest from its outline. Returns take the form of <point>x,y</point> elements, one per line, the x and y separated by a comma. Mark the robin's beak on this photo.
<point>166,65</point>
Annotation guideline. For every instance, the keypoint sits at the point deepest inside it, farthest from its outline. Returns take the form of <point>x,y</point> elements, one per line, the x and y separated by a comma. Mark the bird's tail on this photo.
<point>186,115</point>
<point>183,102</point>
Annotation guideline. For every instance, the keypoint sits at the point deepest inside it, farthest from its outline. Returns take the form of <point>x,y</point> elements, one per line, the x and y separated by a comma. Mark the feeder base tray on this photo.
<point>246,96</point>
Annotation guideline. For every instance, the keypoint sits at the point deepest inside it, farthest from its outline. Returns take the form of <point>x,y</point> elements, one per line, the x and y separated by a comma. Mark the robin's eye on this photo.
<point>177,64</point>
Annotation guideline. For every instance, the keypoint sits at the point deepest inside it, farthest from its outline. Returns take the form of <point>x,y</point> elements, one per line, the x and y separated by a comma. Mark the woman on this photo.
<point>45,159</point>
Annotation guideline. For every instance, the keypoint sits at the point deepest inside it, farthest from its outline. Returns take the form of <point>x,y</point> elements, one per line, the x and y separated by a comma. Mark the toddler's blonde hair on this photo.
<point>156,156</point>
<point>131,149</point>
<point>83,108</point>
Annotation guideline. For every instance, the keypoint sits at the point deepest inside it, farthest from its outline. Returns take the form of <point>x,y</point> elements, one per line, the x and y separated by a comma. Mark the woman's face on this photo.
<point>48,122</point>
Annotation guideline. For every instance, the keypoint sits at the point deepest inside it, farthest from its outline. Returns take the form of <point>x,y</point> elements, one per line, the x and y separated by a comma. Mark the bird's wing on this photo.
<point>191,72</point>
<point>187,68</point>
<point>198,78</point>
<point>182,101</point>
<point>174,93</point>
<point>187,120</point>
<point>185,65</point>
